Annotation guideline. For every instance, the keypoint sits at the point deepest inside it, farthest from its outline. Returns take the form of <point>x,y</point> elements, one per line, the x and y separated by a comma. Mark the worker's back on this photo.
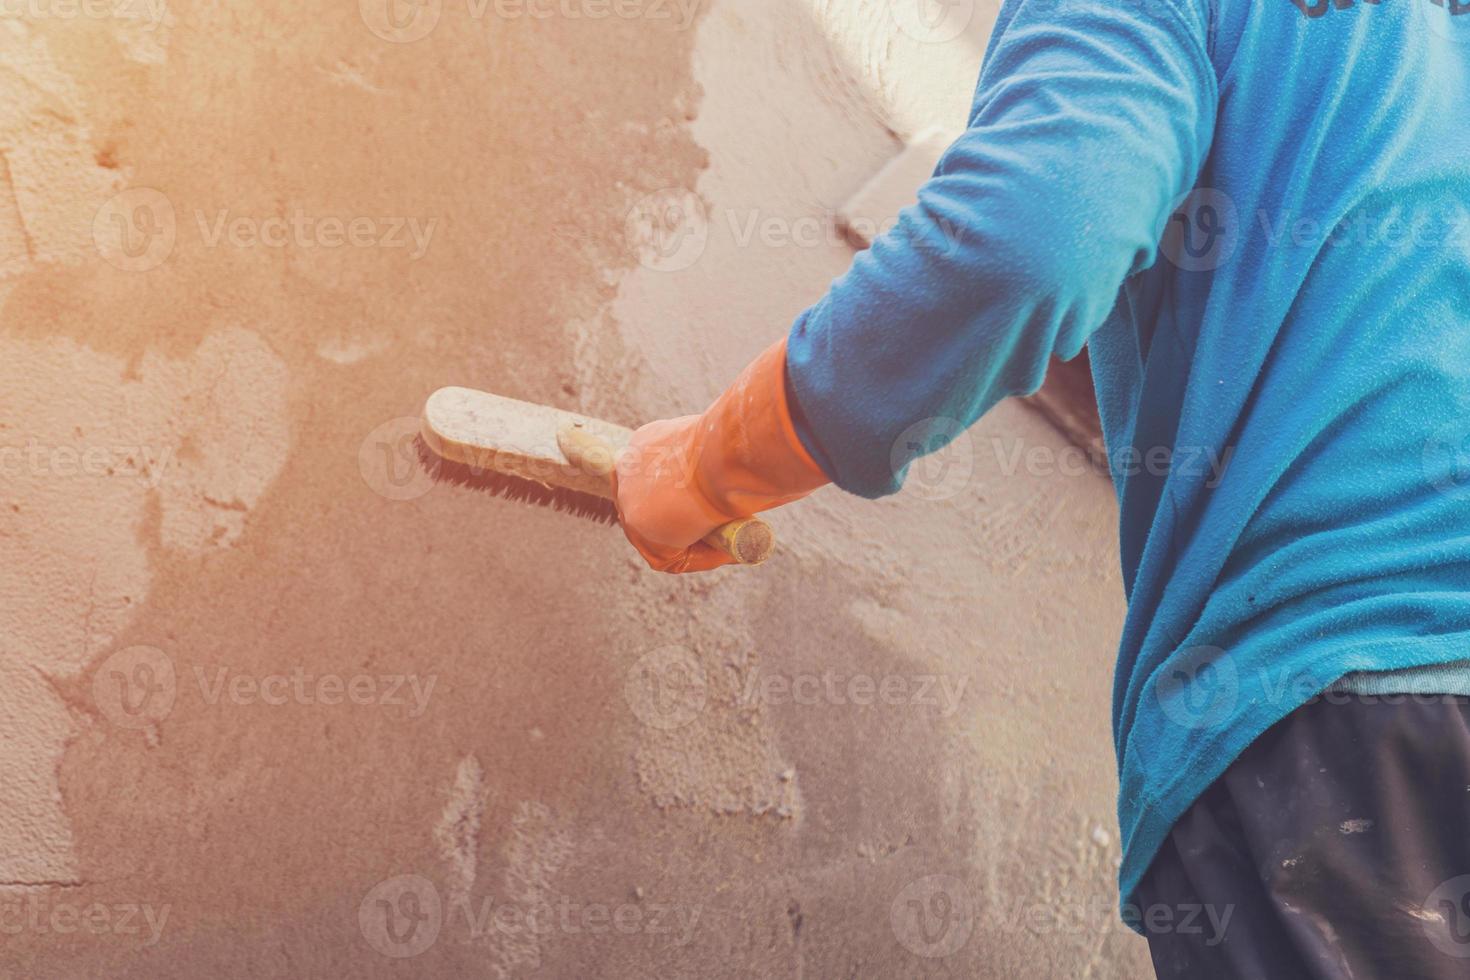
<point>1302,346</point>
<point>1255,214</point>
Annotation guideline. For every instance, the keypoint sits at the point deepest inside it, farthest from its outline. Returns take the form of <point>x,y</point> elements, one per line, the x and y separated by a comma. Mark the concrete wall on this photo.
<point>271,705</point>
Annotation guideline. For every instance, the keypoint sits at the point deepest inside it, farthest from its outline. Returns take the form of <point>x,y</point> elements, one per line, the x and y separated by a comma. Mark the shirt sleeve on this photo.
<point>1090,121</point>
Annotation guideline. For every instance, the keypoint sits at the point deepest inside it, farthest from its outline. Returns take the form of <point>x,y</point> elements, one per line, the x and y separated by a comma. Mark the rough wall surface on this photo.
<point>271,705</point>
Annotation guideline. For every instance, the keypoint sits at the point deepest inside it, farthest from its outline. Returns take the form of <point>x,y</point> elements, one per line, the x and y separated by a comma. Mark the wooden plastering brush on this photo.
<point>545,456</point>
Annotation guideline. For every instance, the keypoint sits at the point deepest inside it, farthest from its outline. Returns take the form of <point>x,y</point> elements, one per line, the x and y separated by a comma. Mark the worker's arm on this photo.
<point>1089,122</point>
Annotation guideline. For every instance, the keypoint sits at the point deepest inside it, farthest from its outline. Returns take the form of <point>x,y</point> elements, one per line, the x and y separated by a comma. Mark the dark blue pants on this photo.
<point>1337,846</point>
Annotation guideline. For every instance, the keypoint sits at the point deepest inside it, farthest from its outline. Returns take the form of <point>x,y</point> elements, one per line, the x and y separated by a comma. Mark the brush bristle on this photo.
<point>574,502</point>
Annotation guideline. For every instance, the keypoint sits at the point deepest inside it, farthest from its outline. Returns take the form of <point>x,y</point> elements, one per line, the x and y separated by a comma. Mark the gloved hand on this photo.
<point>681,478</point>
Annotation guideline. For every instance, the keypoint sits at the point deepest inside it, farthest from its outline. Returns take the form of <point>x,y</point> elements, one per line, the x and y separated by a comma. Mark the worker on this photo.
<point>1254,214</point>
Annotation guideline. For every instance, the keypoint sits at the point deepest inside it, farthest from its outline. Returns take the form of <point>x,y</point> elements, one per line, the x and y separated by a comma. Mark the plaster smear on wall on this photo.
<point>458,832</point>
<point>101,463</point>
<point>51,183</point>
<point>539,847</point>
<point>915,62</point>
<point>101,460</point>
<point>804,100</point>
<point>711,747</point>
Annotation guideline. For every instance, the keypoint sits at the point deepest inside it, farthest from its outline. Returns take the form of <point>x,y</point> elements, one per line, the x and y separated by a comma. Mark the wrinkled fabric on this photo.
<point>1334,848</point>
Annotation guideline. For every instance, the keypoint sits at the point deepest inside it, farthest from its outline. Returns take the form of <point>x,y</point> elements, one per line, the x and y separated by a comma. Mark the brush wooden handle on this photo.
<point>749,540</point>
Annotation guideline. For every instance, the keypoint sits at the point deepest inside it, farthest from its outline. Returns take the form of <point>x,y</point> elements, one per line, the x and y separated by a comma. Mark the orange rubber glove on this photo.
<point>681,478</point>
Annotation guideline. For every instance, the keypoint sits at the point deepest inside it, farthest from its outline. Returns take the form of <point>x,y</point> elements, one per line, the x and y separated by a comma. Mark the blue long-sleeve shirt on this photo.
<point>1254,212</point>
